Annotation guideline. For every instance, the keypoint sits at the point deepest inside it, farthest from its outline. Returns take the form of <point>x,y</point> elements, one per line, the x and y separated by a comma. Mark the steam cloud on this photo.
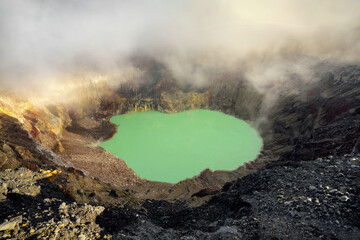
<point>42,42</point>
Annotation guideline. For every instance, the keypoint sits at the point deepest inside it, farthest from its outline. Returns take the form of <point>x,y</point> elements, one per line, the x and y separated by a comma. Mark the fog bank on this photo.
<point>47,43</point>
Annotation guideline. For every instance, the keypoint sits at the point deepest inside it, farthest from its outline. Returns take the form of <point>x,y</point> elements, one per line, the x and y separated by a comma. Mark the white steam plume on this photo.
<point>41,41</point>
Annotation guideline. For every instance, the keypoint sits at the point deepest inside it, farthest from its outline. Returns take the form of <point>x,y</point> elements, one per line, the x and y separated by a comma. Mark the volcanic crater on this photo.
<point>320,120</point>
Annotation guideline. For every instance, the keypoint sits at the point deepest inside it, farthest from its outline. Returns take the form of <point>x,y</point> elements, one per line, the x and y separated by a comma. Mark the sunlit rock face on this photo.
<point>30,133</point>
<point>44,124</point>
<point>32,127</point>
<point>45,115</point>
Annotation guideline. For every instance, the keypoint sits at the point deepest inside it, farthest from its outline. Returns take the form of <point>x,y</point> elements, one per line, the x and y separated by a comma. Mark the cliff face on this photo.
<point>30,134</point>
<point>323,119</point>
<point>44,123</point>
<point>235,97</point>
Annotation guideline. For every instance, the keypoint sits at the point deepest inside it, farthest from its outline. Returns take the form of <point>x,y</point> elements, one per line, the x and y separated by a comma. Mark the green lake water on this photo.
<point>172,147</point>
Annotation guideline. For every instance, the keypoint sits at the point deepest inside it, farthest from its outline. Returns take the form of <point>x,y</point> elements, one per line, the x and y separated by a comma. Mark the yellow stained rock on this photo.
<point>49,172</point>
<point>60,147</point>
<point>2,110</point>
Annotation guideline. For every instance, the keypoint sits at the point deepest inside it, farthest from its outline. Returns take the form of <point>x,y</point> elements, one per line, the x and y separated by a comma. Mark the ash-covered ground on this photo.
<point>317,199</point>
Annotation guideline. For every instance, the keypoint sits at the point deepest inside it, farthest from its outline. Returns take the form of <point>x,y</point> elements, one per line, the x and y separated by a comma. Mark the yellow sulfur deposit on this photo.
<point>49,172</point>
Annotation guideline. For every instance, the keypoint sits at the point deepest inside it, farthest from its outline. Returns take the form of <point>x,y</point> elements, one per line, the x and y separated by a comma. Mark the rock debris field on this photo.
<point>316,199</point>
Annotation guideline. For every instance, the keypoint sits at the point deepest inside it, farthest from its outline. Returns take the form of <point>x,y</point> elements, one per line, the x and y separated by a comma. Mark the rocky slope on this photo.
<point>316,199</point>
<point>36,208</point>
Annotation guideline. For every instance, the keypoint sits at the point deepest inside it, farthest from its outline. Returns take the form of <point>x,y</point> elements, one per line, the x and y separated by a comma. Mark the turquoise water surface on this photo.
<point>171,147</point>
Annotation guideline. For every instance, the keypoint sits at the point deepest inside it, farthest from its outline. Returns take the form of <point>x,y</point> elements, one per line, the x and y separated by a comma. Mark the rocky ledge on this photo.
<point>316,199</point>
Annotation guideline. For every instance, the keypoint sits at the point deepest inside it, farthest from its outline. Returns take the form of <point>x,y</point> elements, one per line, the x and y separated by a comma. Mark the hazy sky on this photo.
<point>41,40</point>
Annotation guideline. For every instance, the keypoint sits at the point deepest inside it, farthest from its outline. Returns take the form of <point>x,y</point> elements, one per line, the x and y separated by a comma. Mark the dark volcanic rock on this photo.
<point>323,119</point>
<point>316,199</point>
<point>308,200</point>
<point>205,192</point>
